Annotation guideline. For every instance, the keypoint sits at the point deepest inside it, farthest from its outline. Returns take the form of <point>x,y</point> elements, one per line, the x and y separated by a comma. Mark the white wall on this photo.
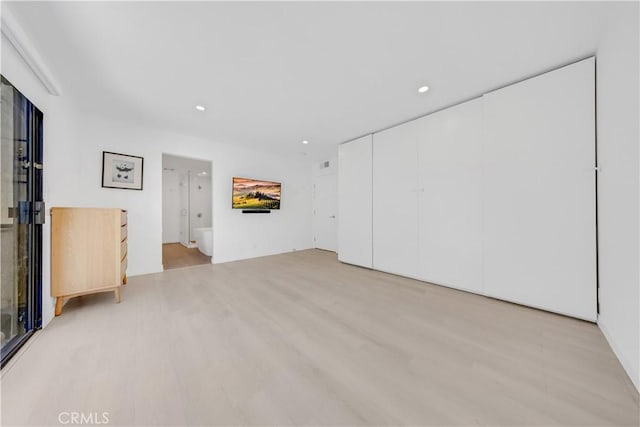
<point>73,145</point>
<point>618,188</point>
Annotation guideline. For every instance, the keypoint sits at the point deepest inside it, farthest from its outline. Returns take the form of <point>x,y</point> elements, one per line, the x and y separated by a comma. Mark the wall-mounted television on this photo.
<point>255,194</point>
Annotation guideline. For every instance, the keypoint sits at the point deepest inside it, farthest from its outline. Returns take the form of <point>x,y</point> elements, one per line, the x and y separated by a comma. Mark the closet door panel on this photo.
<point>539,192</point>
<point>354,202</point>
<point>395,200</point>
<point>450,205</point>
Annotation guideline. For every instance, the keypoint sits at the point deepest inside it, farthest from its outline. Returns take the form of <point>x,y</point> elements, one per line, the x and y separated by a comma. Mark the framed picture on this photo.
<point>121,171</point>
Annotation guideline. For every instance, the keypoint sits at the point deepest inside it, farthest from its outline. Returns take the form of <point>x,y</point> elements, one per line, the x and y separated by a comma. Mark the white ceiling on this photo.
<point>272,74</point>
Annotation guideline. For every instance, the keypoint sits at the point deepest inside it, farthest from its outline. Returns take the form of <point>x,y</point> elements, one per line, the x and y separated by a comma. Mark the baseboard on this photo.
<point>133,273</point>
<point>633,376</point>
<point>222,260</point>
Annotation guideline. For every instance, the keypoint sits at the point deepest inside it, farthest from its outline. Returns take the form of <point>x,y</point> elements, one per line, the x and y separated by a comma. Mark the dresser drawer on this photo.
<point>123,249</point>
<point>123,232</point>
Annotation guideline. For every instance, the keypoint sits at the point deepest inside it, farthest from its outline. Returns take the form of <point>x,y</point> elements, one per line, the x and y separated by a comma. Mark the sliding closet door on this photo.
<point>21,218</point>
<point>395,200</point>
<point>539,192</point>
<point>450,225</point>
<point>354,202</point>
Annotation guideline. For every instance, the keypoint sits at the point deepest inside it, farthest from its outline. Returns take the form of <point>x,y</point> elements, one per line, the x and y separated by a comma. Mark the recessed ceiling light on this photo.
<point>200,108</point>
<point>423,89</point>
<point>305,142</point>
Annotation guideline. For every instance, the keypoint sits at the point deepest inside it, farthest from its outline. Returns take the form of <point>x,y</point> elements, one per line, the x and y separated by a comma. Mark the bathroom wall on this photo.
<point>170,206</point>
<point>183,204</point>
<point>200,201</point>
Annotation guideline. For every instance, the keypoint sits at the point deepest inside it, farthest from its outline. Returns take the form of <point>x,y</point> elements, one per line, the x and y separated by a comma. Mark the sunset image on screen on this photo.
<point>252,194</point>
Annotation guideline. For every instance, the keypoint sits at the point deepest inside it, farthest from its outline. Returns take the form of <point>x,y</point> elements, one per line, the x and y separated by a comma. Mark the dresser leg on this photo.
<point>116,291</point>
<point>58,306</point>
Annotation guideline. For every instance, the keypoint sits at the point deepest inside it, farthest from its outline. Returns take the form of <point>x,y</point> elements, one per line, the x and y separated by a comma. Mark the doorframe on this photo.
<point>162,166</point>
<point>35,217</point>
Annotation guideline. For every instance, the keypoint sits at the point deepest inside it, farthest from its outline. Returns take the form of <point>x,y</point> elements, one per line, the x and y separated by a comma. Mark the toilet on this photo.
<point>204,240</point>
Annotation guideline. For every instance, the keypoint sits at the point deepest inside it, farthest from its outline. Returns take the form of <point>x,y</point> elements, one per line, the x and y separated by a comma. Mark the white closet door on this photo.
<point>450,225</point>
<point>354,202</point>
<point>395,200</point>
<point>539,192</point>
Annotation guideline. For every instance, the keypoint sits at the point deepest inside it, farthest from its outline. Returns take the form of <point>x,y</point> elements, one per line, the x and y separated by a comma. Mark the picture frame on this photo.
<point>122,171</point>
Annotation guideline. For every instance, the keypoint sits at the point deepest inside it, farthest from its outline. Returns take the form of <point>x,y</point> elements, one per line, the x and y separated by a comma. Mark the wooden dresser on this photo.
<point>88,252</point>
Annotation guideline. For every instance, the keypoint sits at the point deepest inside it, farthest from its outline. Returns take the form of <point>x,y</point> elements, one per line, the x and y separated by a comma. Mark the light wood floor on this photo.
<point>300,339</point>
<point>175,255</point>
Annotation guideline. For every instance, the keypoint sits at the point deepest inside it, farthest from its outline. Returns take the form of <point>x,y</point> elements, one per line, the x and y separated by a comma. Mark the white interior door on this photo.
<point>325,224</point>
<point>395,200</point>
<point>450,207</point>
<point>539,192</point>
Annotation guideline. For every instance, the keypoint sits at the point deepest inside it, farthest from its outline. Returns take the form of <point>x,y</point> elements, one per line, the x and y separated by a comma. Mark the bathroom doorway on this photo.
<point>187,234</point>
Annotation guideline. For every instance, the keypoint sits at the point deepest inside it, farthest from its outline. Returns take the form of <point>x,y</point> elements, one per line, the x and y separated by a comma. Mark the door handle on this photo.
<point>24,211</point>
<point>39,212</point>
<point>332,217</point>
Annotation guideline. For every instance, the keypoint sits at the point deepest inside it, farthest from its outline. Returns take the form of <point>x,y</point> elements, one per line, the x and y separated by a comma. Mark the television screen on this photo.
<point>254,194</point>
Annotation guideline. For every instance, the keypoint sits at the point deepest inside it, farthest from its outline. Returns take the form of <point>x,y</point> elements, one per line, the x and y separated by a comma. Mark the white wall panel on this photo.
<point>618,103</point>
<point>450,223</point>
<point>395,200</point>
<point>539,193</point>
<point>354,202</point>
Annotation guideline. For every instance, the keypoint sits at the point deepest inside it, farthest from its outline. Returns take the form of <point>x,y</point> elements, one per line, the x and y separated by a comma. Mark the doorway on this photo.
<point>187,233</point>
<point>325,204</point>
<point>21,219</point>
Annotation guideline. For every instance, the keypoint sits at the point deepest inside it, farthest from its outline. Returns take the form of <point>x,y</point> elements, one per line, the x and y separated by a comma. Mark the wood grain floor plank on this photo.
<point>301,339</point>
